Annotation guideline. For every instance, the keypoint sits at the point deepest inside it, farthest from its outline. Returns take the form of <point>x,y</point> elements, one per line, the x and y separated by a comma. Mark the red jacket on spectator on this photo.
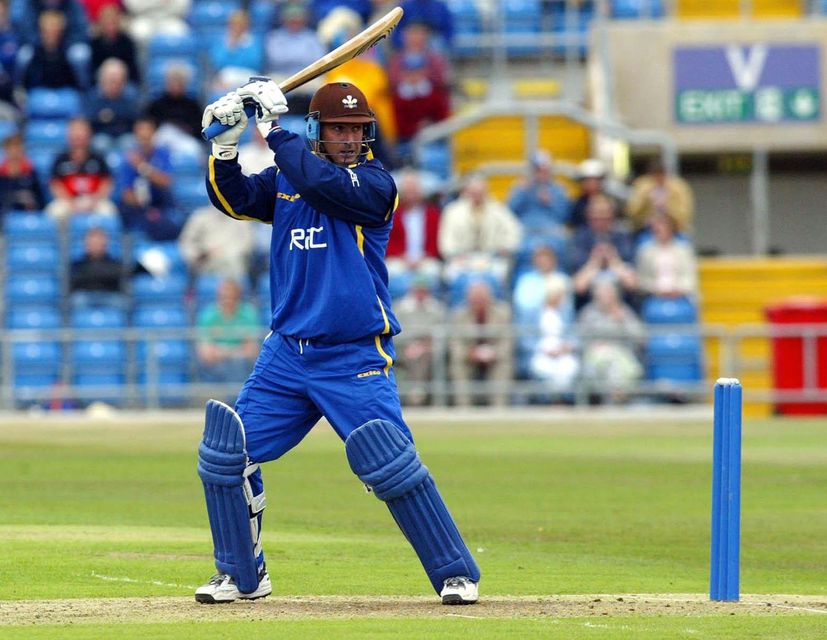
<point>398,241</point>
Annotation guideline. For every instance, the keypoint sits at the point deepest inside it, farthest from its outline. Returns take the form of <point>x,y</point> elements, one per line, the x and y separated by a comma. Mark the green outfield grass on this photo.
<point>102,509</point>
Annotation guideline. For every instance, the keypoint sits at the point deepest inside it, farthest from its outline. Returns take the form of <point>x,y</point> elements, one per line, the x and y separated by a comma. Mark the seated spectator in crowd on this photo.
<point>412,246</point>
<point>529,297</point>
<point>419,82</point>
<point>481,347</point>
<point>19,185</point>
<point>96,279</point>
<point>289,49</point>
<point>539,201</point>
<point>149,17</point>
<point>174,110</point>
<point>612,336</point>
<point>666,265</point>
<point>144,180</point>
<point>49,62</point>
<point>602,247</point>
<point>109,40</point>
<point>477,233</point>
<point>434,13</point>
<point>555,359</point>
<point>659,192</point>
<point>419,311</point>
<point>366,72</point>
<point>112,107</point>
<point>9,46</point>
<point>238,55</point>
<point>590,176</point>
<point>25,15</point>
<point>204,246</point>
<point>80,181</point>
<point>229,339</point>
<point>93,8</point>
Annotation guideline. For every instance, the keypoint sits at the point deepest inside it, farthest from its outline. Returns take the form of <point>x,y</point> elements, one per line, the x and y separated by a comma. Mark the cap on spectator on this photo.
<point>541,159</point>
<point>293,11</point>
<point>591,168</point>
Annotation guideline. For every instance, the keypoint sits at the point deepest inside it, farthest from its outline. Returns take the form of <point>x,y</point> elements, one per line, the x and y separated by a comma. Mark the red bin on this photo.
<point>788,352</point>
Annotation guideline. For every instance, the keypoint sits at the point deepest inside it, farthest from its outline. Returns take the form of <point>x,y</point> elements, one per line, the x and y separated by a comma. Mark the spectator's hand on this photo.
<point>483,354</point>
<point>229,111</point>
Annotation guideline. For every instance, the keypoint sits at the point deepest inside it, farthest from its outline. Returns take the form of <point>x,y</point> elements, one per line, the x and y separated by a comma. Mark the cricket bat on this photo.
<point>357,45</point>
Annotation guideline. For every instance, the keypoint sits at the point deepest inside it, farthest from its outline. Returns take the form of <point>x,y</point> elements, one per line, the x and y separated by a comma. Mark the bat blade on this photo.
<point>356,46</point>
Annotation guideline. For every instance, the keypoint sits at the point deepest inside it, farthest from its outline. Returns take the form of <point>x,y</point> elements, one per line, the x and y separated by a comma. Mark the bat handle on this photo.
<point>216,128</point>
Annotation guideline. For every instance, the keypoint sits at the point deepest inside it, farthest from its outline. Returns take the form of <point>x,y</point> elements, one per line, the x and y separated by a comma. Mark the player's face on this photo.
<point>342,142</point>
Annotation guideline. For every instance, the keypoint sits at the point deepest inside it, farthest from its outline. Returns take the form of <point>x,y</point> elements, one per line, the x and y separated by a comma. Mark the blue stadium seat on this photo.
<point>98,356</point>
<point>634,9</point>
<point>32,317</point>
<point>467,22</point>
<point>676,357</point>
<point>211,14</point>
<point>32,259</point>
<point>98,318</point>
<point>79,225</point>
<point>147,289</point>
<point>263,16</point>
<point>170,355</point>
<point>169,251</point>
<point>29,227</point>
<point>436,158</point>
<point>7,128</point>
<point>64,103</point>
<point>50,134</point>
<point>172,45</point>
<point>189,194</point>
<point>522,17</point>
<point>32,290</point>
<point>159,317</point>
<point>657,310</point>
<point>183,162</point>
<point>36,365</point>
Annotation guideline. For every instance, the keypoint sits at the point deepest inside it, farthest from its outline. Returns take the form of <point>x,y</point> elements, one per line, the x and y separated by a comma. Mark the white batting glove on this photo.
<point>228,110</point>
<point>270,102</point>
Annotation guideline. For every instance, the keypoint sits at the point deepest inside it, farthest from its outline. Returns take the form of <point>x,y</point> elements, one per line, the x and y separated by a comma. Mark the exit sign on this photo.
<point>757,83</point>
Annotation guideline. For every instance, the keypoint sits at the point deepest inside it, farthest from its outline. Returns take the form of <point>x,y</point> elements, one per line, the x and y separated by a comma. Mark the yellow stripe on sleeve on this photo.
<point>384,354</point>
<point>384,316</point>
<point>230,211</point>
<point>360,239</point>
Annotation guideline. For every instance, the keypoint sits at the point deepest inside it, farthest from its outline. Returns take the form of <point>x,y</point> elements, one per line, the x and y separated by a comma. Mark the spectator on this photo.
<point>590,176</point>
<point>611,335</point>
<point>93,8</point>
<point>289,49</point>
<point>555,360</point>
<point>112,107</point>
<point>174,110</point>
<point>419,82</point>
<point>412,246</point>
<point>666,265</point>
<point>96,279</point>
<point>109,40</point>
<point>540,203</point>
<point>529,298</point>
<point>80,180</point>
<point>481,347</point>
<point>366,71</point>
<point>144,183</point>
<point>9,46</point>
<point>229,335</point>
<point>434,13</point>
<point>657,191</point>
<point>419,311</point>
<point>602,248</point>
<point>49,63</point>
<point>322,8</point>
<point>26,14</point>
<point>19,184</point>
<point>203,244</point>
<point>478,233</point>
<point>149,17</point>
<point>238,55</point>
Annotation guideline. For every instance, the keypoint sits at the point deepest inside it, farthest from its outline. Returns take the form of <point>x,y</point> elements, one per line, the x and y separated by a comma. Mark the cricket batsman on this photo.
<point>330,350</point>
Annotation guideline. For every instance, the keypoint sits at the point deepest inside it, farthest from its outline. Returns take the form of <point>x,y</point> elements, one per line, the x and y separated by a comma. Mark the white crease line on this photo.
<point>787,606</point>
<point>459,615</point>
<point>155,583</point>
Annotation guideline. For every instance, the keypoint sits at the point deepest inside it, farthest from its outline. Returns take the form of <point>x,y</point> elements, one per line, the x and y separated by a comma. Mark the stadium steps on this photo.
<point>725,9</point>
<point>472,147</point>
<point>737,291</point>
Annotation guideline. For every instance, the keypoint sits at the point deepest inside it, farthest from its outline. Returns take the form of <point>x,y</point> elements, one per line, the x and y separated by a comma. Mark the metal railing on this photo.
<point>142,383</point>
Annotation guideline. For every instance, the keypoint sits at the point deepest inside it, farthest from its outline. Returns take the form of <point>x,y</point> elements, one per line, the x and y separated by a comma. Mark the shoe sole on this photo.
<point>456,599</point>
<point>206,598</point>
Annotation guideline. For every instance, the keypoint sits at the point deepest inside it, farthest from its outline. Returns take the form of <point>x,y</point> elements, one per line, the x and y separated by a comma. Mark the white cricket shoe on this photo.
<point>221,588</point>
<point>459,590</point>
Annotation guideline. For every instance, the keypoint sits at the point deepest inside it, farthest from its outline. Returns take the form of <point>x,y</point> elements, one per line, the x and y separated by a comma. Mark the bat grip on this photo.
<point>216,128</point>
